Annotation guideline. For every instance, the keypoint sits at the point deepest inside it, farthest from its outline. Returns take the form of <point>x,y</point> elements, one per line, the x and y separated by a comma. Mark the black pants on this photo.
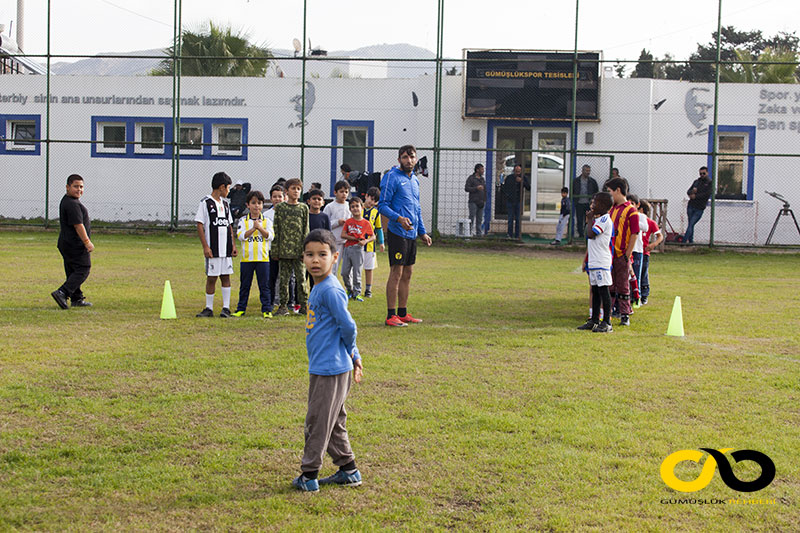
<point>77,269</point>
<point>580,219</point>
<point>601,294</point>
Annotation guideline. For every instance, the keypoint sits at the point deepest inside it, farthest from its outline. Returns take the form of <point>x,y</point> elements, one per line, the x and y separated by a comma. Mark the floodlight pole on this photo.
<point>715,137</point>
<point>573,130</point>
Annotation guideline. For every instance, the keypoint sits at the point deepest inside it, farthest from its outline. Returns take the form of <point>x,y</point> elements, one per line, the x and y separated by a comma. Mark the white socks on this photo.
<point>210,301</point>
<point>226,297</point>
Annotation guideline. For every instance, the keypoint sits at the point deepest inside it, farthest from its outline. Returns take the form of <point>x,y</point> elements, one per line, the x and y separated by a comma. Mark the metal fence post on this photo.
<point>715,136</point>
<point>47,132</point>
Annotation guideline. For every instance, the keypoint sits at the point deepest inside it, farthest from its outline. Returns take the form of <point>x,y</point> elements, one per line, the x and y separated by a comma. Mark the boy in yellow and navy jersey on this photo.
<point>255,232</point>
<point>374,218</point>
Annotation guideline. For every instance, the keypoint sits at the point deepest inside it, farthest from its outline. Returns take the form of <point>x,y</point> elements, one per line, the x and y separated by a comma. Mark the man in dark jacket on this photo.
<point>476,187</point>
<point>512,191</point>
<point>584,187</point>
<point>699,193</point>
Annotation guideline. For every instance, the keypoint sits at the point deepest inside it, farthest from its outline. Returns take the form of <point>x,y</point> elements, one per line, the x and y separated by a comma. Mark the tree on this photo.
<point>700,66</point>
<point>620,68</point>
<point>204,52</point>
<point>772,66</point>
<point>644,68</point>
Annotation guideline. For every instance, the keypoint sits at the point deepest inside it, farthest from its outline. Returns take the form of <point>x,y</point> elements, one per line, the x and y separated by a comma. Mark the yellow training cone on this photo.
<point>675,327</point>
<point>167,303</point>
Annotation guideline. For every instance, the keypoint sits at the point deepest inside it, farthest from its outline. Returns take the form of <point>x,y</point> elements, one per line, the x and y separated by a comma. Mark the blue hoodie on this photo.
<point>330,330</point>
<point>400,197</point>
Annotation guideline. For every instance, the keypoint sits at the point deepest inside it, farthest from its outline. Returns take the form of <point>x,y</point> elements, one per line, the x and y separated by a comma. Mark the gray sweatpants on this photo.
<point>563,221</point>
<point>351,268</point>
<point>326,421</point>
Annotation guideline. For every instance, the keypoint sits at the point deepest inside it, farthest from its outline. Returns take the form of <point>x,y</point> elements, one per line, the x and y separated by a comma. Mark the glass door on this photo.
<point>513,148</point>
<point>546,184</point>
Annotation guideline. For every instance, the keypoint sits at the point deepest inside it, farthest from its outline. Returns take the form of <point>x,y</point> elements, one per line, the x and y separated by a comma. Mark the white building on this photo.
<point>133,181</point>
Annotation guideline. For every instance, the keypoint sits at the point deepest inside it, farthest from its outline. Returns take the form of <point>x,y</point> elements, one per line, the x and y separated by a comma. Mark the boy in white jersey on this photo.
<point>215,229</point>
<point>255,232</point>
<point>338,212</point>
<point>597,263</point>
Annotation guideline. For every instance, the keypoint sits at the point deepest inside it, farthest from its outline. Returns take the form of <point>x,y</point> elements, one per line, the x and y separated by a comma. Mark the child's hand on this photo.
<point>358,370</point>
<point>362,242</point>
<point>383,249</point>
<point>583,267</point>
<point>235,252</point>
<point>207,252</point>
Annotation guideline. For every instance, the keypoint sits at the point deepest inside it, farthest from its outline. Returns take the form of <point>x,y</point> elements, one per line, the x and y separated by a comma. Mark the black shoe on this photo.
<point>81,303</point>
<point>603,327</point>
<point>625,320</point>
<point>60,298</point>
<point>555,243</point>
<point>205,313</point>
<point>644,301</point>
<point>225,313</point>
<point>589,326</point>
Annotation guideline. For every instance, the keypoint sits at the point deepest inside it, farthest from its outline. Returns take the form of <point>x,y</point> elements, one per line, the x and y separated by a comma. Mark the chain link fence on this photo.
<point>149,129</point>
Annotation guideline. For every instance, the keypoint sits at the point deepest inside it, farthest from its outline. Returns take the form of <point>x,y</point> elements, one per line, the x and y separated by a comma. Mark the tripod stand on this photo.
<point>785,211</point>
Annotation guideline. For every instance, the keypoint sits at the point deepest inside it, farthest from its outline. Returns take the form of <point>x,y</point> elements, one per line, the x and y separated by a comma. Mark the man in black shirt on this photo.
<point>74,245</point>
<point>512,190</point>
<point>699,193</point>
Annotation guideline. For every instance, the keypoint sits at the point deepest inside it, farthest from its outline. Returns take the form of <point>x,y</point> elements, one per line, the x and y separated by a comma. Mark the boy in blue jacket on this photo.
<point>332,355</point>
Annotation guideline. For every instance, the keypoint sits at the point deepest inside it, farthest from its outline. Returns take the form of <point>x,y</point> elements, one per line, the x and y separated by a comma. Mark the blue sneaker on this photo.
<point>343,479</point>
<point>308,485</point>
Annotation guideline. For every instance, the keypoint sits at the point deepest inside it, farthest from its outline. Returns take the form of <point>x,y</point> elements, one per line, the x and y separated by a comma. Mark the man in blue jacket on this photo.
<point>399,203</point>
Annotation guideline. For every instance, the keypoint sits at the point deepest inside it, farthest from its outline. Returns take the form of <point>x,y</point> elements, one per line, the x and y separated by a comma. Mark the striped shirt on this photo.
<point>216,220</point>
<point>374,218</point>
<point>626,223</point>
<point>256,246</point>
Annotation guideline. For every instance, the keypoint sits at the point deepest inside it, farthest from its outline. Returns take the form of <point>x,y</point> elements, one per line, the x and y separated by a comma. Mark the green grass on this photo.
<point>493,414</point>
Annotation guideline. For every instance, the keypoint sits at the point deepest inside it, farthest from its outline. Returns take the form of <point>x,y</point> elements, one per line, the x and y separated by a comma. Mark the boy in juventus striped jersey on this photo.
<point>255,232</point>
<point>215,229</point>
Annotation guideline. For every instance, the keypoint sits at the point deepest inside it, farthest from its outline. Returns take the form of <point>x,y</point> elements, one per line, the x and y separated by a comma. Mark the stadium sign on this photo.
<point>530,85</point>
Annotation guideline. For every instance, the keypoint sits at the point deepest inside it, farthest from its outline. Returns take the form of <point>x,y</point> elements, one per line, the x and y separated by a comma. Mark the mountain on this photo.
<point>103,65</point>
<point>106,65</point>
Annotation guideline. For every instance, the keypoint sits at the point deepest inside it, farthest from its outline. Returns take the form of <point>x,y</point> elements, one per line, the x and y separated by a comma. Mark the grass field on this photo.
<point>494,414</point>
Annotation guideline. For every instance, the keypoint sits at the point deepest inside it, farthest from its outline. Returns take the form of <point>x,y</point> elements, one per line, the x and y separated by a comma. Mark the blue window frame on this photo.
<point>336,126</point>
<point>16,132</point>
<point>151,137</point>
<point>732,161</point>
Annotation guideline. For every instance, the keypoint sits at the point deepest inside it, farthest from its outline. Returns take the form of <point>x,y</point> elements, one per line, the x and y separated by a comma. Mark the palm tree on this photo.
<point>772,66</point>
<point>205,52</point>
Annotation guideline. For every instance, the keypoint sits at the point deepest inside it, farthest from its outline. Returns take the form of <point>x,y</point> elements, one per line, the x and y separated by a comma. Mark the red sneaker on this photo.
<point>395,321</point>
<point>408,319</point>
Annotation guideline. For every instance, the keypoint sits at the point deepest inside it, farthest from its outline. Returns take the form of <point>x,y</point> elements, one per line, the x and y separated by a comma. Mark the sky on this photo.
<point>619,28</point>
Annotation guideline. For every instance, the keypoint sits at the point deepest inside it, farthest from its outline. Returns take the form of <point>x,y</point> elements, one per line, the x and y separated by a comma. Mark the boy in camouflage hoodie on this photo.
<point>291,228</point>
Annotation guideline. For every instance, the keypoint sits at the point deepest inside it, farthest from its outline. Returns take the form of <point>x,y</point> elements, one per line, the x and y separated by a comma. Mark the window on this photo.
<point>21,135</point>
<point>191,139</point>
<point>227,139</point>
<point>354,152</point>
<point>112,137</point>
<point>735,162</point>
<point>732,167</point>
<point>154,137</point>
<point>149,138</point>
<point>358,136</point>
